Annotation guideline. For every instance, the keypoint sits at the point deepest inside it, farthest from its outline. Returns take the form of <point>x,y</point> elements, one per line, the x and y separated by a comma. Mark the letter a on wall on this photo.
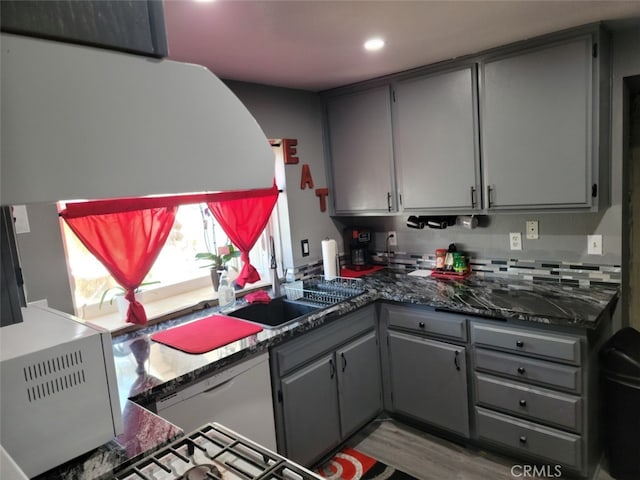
<point>306,179</point>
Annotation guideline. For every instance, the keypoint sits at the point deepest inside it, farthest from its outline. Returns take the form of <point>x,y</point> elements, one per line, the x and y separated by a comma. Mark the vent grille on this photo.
<point>54,375</point>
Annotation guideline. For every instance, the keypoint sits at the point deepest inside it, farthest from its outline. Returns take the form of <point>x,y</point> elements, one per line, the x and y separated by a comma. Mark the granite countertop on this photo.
<point>146,369</point>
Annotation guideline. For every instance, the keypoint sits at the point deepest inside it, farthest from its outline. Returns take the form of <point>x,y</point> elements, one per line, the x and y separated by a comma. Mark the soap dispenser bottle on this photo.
<point>226,292</point>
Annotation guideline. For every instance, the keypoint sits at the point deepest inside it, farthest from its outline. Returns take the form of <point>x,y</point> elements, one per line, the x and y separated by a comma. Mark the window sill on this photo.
<point>168,308</point>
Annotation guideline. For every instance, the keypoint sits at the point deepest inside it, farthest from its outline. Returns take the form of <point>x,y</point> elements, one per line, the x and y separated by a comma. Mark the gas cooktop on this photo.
<point>217,453</point>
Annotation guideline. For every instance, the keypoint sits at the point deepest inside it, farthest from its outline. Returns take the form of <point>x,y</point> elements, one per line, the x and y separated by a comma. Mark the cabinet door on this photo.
<point>359,126</point>
<point>436,141</point>
<point>536,116</point>
<point>310,407</point>
<point>359,383</point>
<point>429,381</point>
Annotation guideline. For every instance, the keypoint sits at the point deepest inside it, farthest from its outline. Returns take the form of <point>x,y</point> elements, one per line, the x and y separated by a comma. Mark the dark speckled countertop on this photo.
<point>146,369</point>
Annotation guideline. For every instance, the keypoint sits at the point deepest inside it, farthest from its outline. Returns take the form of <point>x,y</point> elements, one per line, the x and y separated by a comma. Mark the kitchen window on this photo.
<point>176,274</point>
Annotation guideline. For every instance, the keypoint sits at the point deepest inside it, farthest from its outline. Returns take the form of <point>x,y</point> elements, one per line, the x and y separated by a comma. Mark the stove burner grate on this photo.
<point>216,453</point>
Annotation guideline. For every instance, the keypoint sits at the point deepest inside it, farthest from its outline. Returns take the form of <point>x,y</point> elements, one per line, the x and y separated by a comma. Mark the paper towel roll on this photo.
<point>329,258</point>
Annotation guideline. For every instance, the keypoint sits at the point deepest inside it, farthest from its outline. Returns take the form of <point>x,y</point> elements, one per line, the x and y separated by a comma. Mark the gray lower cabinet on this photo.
<point>429,381</point>
<point>310,405</point>
<point>533,395</point>
<point>327,385</point>
<point>359,383</point>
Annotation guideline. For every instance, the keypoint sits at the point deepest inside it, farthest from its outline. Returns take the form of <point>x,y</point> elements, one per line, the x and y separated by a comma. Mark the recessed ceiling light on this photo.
<point>375,43</point>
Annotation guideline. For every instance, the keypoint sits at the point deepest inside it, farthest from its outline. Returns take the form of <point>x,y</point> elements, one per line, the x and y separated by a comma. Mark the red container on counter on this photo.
<point>441,253</point>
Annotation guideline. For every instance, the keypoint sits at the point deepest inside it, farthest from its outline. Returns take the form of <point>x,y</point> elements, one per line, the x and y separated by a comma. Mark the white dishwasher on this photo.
<point>238,397</point>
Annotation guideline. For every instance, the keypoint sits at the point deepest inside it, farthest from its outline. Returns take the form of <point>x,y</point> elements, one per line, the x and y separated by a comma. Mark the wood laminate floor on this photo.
<point>427,457</point>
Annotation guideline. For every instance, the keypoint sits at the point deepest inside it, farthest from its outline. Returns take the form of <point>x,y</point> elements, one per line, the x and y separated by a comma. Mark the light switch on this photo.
<point>305,247</point>
<point>594,246</point>
<point>21,219</point>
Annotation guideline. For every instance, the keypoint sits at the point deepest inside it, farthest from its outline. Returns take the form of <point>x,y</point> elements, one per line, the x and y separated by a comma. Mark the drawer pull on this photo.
<point>455,360</point>
<point>523,403</point>
<point>523,439</point>
<point>332,368</point>
<point>421,324</point>
<point>521,370</point>
<point>344,362</point>
<point>519,343</point>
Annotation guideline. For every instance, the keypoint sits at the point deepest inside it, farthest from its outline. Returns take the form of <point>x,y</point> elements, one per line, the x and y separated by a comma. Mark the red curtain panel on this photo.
<point>127,234</point>
<point>126,242</point>
<point>243,217</point>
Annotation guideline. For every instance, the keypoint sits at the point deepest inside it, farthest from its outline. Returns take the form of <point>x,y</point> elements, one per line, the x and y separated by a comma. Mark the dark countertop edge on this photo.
<point>314,321</point>
<point>333,313</point>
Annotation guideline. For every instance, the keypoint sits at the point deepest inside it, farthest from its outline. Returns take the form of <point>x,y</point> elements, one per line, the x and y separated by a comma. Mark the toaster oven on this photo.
<point>59,394</point>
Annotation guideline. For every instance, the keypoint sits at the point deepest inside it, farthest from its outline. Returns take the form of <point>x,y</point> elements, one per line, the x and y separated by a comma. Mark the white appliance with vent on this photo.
<point>59,394</point>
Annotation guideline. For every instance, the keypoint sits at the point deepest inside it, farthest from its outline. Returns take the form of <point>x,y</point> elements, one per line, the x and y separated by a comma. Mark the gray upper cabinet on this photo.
<point>539,117</point>
<point>435,131</point>
<point>361,152</point>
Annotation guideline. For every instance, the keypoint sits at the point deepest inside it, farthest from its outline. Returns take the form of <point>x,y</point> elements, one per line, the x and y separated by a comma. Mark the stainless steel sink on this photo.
<point>276,313</point>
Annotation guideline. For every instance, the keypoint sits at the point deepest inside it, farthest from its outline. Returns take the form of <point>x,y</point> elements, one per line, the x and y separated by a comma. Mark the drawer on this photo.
<point>538,404</point>
<point>527,369</point>
<point>527,438</point>
<point>310,345</point>
<point>426,321</point>
<point>531,342</point>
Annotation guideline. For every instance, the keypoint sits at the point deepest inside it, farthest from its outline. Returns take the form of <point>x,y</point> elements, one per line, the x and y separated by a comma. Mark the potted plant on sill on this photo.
<point>218,262</point>
<point>118,295</point>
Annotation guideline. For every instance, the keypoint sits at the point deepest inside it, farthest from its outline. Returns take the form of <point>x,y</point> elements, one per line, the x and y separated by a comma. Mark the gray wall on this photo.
<point>288,113</point>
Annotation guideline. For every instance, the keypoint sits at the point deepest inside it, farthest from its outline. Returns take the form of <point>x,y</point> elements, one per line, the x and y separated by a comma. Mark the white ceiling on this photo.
<point>316,45</point>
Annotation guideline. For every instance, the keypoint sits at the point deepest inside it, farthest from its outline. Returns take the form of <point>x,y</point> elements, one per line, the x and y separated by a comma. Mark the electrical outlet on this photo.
<point>594,244</point>
<point>392,238</point>
<point>515,240</point>
<point>532,229</point>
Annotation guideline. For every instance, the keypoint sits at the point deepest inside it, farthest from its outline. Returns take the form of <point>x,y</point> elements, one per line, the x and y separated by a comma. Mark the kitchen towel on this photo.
<point>350,464</point>
<point>329,258</point>
<point>349,273</point>
<point>206,334</point>
<point>258,297</point>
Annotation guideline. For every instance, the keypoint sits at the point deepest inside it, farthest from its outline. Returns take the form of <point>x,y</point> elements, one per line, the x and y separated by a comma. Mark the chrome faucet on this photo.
<point>275,280</point>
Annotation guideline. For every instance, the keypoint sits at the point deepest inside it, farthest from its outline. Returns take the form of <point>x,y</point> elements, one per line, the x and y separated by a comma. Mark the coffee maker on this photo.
<point>357,240</point>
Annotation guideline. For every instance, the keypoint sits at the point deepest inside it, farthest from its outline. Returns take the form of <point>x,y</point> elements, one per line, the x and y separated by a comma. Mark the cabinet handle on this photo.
<point>523,403</point>
<point>389,201</point>
<point>519,343</point>
<point>523,439</point>
<point>455,360</point>
<point>489,190</point>
<point>473,197</point>
<point>344,362</point>
<point>421,324</point>
<point>332,368</point>
<point>521,370</point>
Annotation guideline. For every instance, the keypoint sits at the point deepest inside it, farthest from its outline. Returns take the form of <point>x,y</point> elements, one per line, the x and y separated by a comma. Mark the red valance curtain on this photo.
<point>243,218</point>
<point>127,243</point>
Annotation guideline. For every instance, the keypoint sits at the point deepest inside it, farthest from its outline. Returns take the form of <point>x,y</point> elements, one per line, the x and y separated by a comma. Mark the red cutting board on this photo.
<point>206,334</point>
